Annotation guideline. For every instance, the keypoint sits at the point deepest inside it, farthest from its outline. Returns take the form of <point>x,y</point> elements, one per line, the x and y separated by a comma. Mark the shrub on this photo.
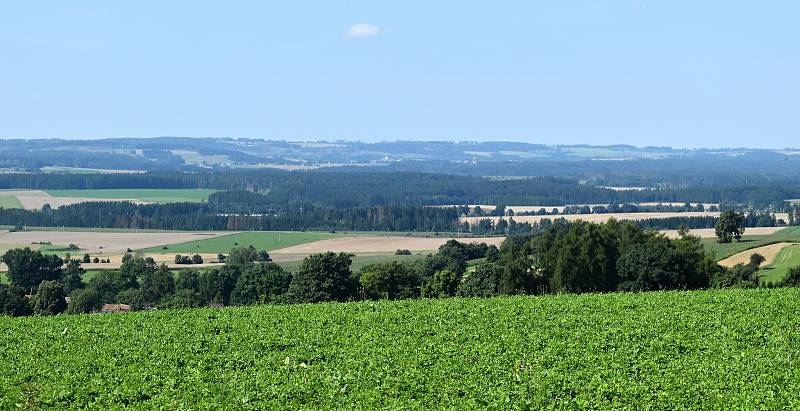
<point>792,278</point>
<point>49,298</point>
<point>85,300</point>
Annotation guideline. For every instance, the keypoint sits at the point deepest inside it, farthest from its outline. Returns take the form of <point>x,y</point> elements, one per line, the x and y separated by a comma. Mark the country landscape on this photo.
<point>399,205</point>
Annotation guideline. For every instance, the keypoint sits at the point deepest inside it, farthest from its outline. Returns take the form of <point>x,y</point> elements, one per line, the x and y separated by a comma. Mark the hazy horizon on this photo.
<point>330,140</point>
<point>679,74</point>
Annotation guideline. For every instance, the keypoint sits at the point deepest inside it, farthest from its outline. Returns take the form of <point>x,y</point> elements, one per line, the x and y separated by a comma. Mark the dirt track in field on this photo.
<point>768,251</point>
<point>374,244</point>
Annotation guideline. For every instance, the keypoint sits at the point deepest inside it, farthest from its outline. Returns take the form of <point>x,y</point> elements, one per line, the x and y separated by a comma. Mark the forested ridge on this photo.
<point>280,200</point>
<point>366,189</point>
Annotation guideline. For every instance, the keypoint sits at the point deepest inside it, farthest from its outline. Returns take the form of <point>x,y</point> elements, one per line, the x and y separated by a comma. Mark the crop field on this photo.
<point>730,349</point>
<point>141,194</point>
<point>788,258</point>
<point>380,244</point>
<point>549,208</point>
<point>262,240</point>
<point>711,233</point>
<point>596,218</point>
<point>106,242</point>
<point>35,199</point>
<point>769,252</point>
<point>722,251</point>
<point>291,263</point>
<point>9,201</point>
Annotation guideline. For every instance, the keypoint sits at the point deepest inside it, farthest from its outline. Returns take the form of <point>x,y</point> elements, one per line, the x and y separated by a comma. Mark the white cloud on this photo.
<point>361,30</point>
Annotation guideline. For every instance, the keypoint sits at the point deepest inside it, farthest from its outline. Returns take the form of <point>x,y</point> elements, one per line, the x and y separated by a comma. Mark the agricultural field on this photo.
<point>85,170</point>
<point>776,270</point>
<point>35,199</point>
<point>140,194</point>
<point>292,262</point>
<point>380,244</point>
<point>106,242</point>
<point>769,252</point>
<point>725,349</point>
<point>596,218</point>
<point>549,208</point>
<point>262,240</point>
<point>9,201</point>
<point>722,251</point>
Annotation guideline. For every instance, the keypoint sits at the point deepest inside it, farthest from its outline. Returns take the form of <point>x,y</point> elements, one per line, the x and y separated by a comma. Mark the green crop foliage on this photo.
<point>787,259</point>
<point>729,349</point>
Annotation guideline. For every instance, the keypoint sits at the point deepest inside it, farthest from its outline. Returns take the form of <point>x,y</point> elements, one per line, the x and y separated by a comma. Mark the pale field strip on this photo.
<point>595,218</point>
<point>35,199</point>
<point>768,251</point>
<point>711,233</point>
<point>94,242</point>
<point>209,260</point>
<point>535,208</point>
<point>376,244</point>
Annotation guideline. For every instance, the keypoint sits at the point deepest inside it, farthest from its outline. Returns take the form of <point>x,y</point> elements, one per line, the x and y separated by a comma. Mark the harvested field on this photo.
<point>710,233</point>
<point>262,240</point>
<point>535,208</point>
<point>768,251</point>
<point>105,242</point>
<point>751,239</point>
<point>35,199</point>
<point>376,244</point>
<point>209,260</point>
<point>596,218</point>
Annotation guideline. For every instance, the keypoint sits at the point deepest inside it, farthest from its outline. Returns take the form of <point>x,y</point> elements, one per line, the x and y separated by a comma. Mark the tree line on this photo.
<point>566,257</point>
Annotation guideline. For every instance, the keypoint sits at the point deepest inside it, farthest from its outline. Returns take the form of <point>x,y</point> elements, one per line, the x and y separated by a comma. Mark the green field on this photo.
<point>7,201</point>
<point>722,251</point>
<point>262,240</point>
<point>730,349</point>
<point>142,194</point>
<point>85,170</point>
<point>787,259</point>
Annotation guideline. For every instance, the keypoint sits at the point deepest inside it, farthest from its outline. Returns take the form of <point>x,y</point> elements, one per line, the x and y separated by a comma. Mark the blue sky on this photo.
<point>679,73</point>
